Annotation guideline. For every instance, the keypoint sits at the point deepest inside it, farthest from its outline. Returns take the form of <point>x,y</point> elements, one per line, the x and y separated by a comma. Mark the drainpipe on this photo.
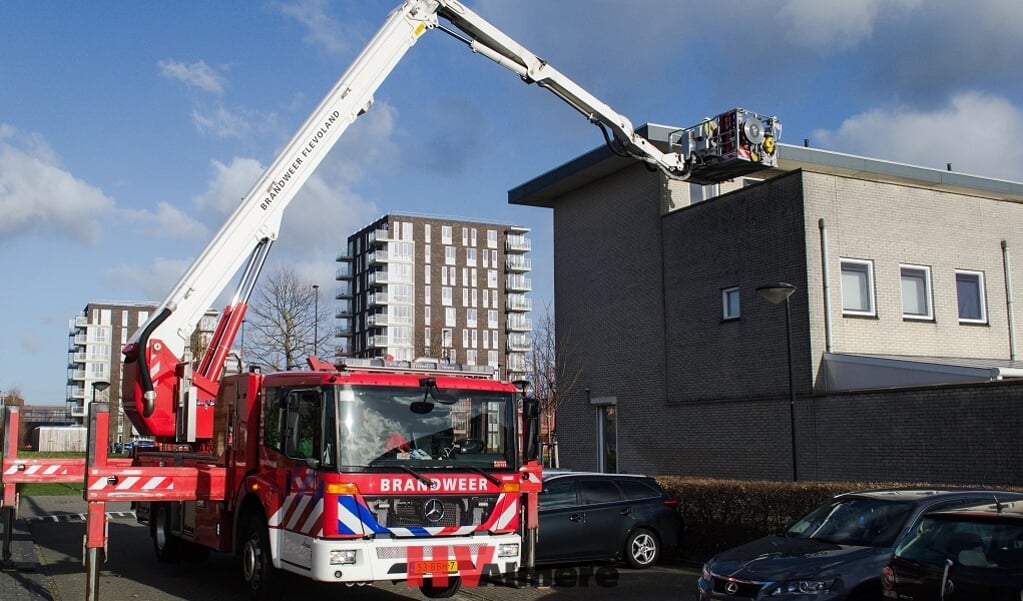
<point>1008,300</point>
<point>825,274</point>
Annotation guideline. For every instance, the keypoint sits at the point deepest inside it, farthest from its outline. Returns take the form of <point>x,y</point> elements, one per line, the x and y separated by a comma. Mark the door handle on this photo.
<point>576,517</point>
<point>625,511</point>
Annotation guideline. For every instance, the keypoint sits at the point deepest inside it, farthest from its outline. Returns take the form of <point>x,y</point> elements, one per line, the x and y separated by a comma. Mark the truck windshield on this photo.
<point>407,427</point>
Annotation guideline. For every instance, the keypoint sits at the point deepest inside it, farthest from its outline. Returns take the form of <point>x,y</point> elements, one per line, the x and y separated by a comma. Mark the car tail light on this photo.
<point>673,503</point>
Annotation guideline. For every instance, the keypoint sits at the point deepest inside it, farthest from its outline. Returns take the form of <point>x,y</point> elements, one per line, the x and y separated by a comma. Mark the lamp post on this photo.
<point>776,293</point>
<point>316,318</point>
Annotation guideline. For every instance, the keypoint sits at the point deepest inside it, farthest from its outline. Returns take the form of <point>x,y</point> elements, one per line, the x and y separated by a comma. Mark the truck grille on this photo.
<point>428,511</point>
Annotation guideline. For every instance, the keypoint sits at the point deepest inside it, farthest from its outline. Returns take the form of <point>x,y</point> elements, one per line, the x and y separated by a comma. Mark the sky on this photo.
<point>129,131</point>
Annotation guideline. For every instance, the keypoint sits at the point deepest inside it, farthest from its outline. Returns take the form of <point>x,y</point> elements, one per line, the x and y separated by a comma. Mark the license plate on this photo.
<point>435,567</point>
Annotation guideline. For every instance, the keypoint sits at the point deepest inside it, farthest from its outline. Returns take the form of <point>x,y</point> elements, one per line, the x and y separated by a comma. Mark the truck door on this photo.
<point>300,517</point>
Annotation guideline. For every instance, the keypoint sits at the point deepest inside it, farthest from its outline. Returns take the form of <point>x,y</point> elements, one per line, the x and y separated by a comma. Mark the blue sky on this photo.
<point>129,130</point>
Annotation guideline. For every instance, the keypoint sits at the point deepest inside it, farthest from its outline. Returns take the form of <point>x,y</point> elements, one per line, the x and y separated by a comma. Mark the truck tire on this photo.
<point>265,582</point>
<point>168,547</point>
<point>442,591</point>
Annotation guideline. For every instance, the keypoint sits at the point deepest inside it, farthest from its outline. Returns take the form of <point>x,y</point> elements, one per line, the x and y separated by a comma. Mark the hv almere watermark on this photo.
<point>491,574</point>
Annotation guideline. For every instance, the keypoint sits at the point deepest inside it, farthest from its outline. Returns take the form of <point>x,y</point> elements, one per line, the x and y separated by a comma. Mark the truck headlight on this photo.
<point>508,550</point>
<point>341,557</point>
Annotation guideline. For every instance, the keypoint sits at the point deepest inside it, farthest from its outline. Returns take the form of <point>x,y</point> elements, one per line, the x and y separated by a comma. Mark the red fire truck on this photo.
<point>362,471</point>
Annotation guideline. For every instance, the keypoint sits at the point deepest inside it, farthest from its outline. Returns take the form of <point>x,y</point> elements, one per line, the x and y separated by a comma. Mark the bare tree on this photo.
<point>553,379</point>
<point>281,322</point>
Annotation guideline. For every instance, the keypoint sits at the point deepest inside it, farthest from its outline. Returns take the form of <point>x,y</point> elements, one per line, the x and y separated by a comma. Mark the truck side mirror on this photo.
<point>530,429</point>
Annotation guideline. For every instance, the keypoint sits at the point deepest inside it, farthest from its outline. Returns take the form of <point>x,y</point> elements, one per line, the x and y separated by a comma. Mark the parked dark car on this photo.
<point>606,517</point>
<point>971,554</point>
<point>835,552</point>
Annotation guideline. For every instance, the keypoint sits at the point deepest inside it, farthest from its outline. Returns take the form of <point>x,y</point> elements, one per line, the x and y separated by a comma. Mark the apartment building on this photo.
<point>414,286</point>
<point>903,319</point>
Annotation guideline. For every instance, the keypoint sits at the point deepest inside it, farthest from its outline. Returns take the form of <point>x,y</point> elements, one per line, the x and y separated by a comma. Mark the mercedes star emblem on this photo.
<point>433,510</point>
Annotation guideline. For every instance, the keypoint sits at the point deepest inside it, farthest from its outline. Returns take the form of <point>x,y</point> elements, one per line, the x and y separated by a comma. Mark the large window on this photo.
<point>970,292</point>
<point>857,287</point>
<point>916,292</point>
<point>730,303</point>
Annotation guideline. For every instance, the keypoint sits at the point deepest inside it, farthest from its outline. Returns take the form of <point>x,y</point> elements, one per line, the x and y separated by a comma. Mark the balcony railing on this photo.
<point>518,263</point>
<point>377,257</point>
<point>518,302</point>
<point>518,342</point>
<point>343,291</point>
<point>517,243</point>
<point>377,277</point>
<point>518,323</point>
<point>518,283</point>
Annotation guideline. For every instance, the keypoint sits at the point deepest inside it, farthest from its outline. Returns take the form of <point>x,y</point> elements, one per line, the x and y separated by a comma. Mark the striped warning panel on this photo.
<point>79,517</point>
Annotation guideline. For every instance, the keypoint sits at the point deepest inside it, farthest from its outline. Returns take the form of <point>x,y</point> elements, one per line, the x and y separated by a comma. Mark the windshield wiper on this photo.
<point>429,483</point>
<point>493,479</point>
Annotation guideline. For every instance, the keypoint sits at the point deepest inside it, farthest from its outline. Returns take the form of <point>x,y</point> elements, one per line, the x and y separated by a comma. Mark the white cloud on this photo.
<point>152,282</point>
<point>38,195</point>
<point>167,222</point>
<point>323,30</point>
<point>229,185</point>
<point>197,75</point>
<point>963,132</point>
<point>834,25</point>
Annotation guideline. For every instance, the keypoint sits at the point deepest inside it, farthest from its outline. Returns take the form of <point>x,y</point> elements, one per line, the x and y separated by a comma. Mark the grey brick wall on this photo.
<point>638,307</point>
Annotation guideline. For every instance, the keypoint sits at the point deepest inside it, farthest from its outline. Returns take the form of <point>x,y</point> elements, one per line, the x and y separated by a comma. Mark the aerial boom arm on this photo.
<point>159,388</point>
<point>493,43</point>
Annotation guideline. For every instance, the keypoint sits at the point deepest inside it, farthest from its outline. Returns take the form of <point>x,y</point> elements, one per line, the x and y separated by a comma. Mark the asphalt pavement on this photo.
<point>50,568</point>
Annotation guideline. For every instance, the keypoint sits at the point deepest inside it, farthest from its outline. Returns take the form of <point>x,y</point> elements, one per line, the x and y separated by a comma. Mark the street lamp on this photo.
<point>316,318</point>
<point>776,293</point>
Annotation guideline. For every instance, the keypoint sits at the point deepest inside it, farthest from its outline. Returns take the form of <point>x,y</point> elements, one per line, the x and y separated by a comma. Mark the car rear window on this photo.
<point>636,490</point>
<point>599,491</point>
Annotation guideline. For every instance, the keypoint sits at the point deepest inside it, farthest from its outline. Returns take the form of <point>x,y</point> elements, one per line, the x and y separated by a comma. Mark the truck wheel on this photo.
<point>168,547</point>
<point>642,549</point>
<point>263,579</point>
<point>442,591</point>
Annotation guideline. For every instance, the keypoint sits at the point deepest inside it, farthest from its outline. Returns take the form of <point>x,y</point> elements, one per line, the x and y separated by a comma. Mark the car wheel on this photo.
<point>442,591</point>
<point>642,549</point>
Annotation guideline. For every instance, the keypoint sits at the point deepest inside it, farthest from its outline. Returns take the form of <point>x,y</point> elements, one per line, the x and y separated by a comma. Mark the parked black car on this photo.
<point>835,552</point>
<point>606,517</point>
<point>971,554</point>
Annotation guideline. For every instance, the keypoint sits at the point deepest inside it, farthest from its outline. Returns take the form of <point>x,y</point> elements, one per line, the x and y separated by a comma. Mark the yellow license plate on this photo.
<point>434,567</point>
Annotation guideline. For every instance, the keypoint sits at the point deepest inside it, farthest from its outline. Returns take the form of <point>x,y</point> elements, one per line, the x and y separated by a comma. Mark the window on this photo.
<point>916,292</point>
<point>970,292</point>
<point>730,303</point>
<point>857,287</point>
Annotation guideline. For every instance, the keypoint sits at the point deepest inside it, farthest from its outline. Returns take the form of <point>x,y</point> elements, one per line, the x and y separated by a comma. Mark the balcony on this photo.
<point>343,331</point>
<point>76,374</point>
<point>376,341</point>
<point>379,236</point>
<point>518,323</point>
<point>518,283</point>
<point>343,256</point>
<point>343,291</point>
<point>377,257</point>
<point>377,277</point>
<point>518,302</point>
<point>342,312</point>
<point>519,343</point>
<point>517,244</point>
<point>343,273</point>
<point>81,321</point>
<point>377,319</point>
<point>518,263</point>
<point>79,357</point>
